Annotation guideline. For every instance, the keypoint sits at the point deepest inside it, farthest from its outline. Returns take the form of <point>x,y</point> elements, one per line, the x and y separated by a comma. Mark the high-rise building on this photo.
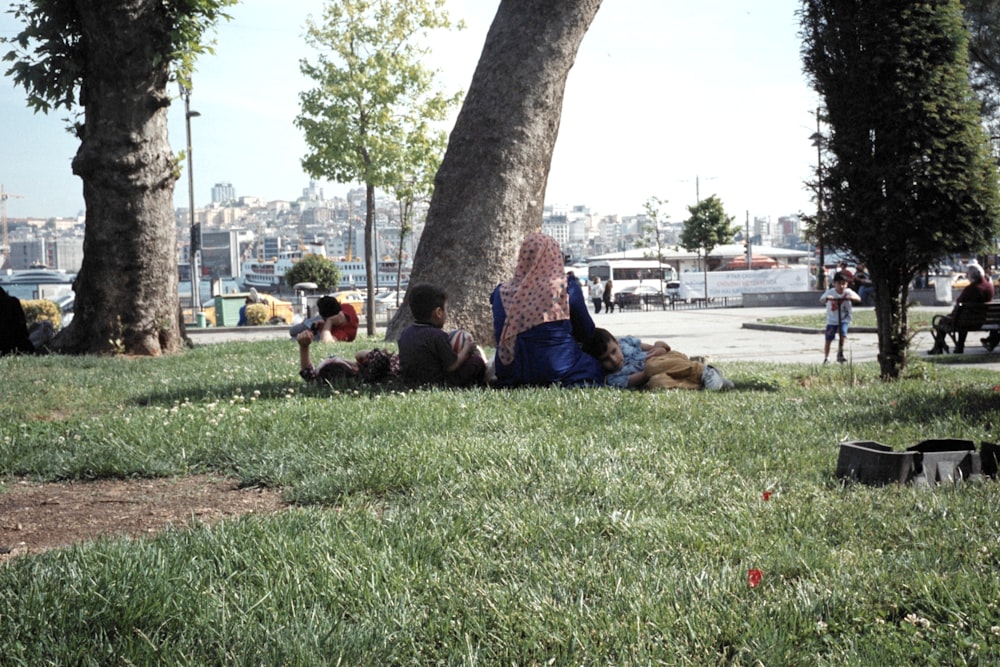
<point>223,193</point>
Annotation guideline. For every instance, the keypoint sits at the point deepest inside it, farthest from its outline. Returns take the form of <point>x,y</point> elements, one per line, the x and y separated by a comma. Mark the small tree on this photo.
<point>911,178</point>
<point>707,227</point>
<point>369,117</point>
<point>314,269</point>
<point>652,235</point>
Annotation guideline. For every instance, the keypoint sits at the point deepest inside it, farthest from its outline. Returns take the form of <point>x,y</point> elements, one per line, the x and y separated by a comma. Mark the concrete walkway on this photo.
<point>725,334</point>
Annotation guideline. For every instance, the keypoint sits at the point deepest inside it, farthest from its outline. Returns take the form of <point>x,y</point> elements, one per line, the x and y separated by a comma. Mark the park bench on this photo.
<point>968,317</point>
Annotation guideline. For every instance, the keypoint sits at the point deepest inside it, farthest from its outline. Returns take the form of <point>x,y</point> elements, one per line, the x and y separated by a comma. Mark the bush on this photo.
<point>257,314</point>
<point>36,310</point>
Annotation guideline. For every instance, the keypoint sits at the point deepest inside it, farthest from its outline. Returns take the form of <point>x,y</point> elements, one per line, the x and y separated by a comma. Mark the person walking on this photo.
<point>596,293</point>
<point>609,302</point>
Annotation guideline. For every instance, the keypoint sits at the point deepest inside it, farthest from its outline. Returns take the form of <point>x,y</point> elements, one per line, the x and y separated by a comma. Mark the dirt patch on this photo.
<point>35,517</point>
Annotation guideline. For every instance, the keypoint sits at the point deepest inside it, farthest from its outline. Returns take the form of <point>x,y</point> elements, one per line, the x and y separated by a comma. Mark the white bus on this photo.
<point>631,273</point>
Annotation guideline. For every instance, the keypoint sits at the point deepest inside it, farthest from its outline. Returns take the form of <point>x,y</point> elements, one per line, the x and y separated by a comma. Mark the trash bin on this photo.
<point>200,321</point>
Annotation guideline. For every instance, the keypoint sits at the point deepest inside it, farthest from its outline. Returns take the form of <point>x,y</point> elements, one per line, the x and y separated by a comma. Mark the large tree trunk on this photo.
<point>126,290</point>
<point>490,189</point>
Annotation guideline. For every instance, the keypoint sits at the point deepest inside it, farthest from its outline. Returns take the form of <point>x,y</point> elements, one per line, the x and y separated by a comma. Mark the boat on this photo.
<point>269,274</point>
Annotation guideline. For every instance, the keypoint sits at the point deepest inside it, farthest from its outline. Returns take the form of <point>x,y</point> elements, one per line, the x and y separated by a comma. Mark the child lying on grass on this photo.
<point>632,364</point>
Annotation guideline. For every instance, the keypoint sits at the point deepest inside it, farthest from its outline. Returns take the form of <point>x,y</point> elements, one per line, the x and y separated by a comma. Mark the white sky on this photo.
<point>661,93</point>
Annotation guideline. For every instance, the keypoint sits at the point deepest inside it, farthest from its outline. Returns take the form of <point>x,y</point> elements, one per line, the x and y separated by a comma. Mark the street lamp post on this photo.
<point>818,140</point>
<point>195,236</point>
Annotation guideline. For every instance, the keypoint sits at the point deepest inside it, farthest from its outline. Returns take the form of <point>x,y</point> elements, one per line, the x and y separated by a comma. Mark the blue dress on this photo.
<point>550,353</point>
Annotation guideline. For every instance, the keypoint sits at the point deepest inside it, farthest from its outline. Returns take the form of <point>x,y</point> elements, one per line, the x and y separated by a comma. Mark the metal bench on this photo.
<point>968,317</point>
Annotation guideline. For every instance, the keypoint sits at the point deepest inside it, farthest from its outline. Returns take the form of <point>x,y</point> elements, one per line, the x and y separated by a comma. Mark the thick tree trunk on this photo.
<point>126,290</point>
<point>490,189</point>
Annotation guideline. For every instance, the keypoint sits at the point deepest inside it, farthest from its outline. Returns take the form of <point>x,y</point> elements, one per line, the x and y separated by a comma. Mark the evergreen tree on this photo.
<point>910,178</point>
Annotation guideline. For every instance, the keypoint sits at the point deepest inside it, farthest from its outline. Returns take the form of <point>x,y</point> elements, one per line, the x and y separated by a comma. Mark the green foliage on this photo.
<point>910,177</point>
<point>983,18</point>
<point>258,314</point>
<point>488,527</point>
<point>370,116</point>
<point>49,58</point>
<point>314,269</point>
<point>41,309</point>
<point>707,226</point>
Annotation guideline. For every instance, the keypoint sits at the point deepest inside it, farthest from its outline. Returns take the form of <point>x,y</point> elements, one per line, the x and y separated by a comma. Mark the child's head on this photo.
<point>328,306</point>
<point>603,346</point>
<point>427,303</point>
<point>839,281</point>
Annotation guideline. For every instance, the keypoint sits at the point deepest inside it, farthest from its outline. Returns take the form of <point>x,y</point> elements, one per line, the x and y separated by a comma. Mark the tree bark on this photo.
<point>126,290</point>
<point>490,189</point>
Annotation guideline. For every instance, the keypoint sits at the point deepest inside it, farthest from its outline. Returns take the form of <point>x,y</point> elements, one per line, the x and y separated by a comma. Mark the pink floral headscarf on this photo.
<point>536,294</point>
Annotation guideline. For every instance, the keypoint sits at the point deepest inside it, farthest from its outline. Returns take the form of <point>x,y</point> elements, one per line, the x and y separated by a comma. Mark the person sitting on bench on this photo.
<point>979,290</point>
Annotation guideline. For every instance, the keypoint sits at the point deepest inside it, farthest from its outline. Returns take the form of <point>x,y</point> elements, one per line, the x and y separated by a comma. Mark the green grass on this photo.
<point>918,320</point>
<point>530,527</point>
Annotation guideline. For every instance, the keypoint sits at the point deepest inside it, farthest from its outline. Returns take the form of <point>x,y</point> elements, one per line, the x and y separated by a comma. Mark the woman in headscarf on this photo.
<point>540,319</point>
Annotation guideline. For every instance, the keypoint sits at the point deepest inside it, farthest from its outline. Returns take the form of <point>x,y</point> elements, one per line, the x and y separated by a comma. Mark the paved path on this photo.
<point>722,333</point>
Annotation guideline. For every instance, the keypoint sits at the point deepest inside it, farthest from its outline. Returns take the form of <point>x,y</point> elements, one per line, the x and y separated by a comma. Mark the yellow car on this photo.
<point>356,298</point>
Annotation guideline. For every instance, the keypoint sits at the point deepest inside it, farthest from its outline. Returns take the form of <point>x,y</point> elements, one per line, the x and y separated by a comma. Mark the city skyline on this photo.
<point>672,102</point>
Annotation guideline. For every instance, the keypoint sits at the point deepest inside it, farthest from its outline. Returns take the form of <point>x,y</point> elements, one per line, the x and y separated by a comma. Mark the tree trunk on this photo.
<point>371,266</point>
<point>892,323</point>
<point>126,290</point>
<point>490,189</point>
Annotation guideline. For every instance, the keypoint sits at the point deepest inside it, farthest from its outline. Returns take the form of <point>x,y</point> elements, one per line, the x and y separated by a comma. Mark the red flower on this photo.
<point>767,495</point>
<point>754,577</point>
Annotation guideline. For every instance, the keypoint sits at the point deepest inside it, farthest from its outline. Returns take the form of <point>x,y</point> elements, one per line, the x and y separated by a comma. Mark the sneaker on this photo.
<point>826,361</point>
<point>712,380</point>
<point>841,359</point>
<point>986,344</point>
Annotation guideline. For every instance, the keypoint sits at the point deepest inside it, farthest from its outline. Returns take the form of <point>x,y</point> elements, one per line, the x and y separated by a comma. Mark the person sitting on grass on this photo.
<point>336,321</point>
<point>839,300</point>
<point>632,364</point>
<point>429,355</point>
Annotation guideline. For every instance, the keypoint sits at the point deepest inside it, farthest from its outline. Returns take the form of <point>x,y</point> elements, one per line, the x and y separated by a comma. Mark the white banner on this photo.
<point>737,283</point>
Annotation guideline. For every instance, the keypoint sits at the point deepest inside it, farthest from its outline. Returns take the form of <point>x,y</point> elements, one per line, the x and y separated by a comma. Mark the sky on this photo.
<point>675,100</point>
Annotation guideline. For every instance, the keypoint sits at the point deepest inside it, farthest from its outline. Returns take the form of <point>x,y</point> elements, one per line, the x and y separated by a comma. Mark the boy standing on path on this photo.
<point>839,300</point>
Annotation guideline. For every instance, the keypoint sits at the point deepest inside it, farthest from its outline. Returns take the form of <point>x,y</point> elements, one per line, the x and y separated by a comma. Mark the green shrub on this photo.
<point>36,310</point>
<point>257,314</point>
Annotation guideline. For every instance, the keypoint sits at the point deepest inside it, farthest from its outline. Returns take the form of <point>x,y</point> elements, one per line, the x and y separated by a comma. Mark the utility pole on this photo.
<point>818,141</point>
<point>4,196</point>
<point>195,231</point>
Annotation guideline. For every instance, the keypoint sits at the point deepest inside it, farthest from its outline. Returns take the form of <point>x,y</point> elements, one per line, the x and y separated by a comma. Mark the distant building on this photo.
<point>223,193</point>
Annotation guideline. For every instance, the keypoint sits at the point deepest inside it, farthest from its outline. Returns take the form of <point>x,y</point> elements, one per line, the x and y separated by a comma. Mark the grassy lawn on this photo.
<point>919,320</point>
<point>530,527</point>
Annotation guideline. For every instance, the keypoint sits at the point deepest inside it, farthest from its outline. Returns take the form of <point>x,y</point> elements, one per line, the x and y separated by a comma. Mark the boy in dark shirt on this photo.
<point>426,352</point>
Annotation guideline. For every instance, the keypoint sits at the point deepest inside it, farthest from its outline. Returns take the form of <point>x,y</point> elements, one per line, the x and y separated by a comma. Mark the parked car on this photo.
<point>356,298</point>
<point>635,296</point>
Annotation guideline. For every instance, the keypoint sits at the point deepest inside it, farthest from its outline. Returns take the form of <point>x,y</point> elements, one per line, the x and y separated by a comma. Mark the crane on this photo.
<point>4,196</point>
